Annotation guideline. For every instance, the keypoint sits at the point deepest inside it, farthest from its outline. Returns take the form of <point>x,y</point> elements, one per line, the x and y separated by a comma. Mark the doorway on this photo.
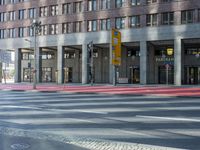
<point>192,75</point>
<point>68,75</point>
<point>166,75</point>
<point>134,74</point>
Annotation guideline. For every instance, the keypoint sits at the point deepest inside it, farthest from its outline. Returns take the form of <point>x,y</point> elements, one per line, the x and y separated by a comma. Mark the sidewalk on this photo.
<point>156,90</point>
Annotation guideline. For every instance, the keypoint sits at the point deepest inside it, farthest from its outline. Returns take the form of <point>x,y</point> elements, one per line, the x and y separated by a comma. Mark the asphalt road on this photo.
<point>95,121</point>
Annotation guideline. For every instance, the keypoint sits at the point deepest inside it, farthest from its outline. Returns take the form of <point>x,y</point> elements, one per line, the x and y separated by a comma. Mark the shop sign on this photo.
<point>164,59</point>
<point>170,51</point>
<point>116,47</point>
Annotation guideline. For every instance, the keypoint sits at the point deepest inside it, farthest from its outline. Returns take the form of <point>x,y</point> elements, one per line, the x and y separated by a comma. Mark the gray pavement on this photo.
<point>100,122</point>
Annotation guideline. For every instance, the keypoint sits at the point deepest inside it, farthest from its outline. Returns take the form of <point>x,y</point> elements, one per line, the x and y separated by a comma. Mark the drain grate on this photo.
<point>20,146</point>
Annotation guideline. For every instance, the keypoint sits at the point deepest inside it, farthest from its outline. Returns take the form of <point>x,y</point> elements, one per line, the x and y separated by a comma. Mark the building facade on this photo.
<point>160,40</point>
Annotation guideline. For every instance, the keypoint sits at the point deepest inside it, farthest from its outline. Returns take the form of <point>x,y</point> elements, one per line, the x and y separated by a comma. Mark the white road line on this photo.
<point>170,118</point>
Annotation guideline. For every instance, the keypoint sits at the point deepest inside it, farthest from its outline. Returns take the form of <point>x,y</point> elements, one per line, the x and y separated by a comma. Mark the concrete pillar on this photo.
<point>143,62</point>
<point>38,66</point>
<point>60,64</point>
<point>84,64</point>
<point>18,65</point>
<point>177,61</point>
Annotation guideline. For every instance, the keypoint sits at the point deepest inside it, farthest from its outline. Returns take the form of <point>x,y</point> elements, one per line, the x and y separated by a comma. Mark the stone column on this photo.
<point>84,64</point>
<point>18,65</point>
<point>60,64</point>
<point>143,62</point>
<point>177,61</point>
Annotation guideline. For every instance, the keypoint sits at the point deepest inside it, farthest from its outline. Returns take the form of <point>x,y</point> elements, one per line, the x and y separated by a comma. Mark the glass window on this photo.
<point>105,24</point>
<point>187,16</point>
<point>32,13</point>
<point>92,5</point>
<point>135,2</point>
<point>152,20</point>
<point>134,21</point>
<point>53,29</point>
<point>105,4</point>
<point>53,10</point>
<point>66,27</point>
<point>78,7</point>
<point>120,23</point>
<point>66,8</point>
<point>21,14</point>
<point>120,3</point>
<point>92,25</point>
<point>167,18</point>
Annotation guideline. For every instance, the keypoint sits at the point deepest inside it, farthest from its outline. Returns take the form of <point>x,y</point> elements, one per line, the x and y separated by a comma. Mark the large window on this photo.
<point>32,13</point>
<point>11,33</point>
<point>120,3</point>
<point>135,2</point>
<point>187,16</point>
<point>2,2</point>
<point>53,10</point>
<point>66,8</point>
<point>53,29</point>
<point>105,4</point>
<point>167,18</point>
<point>152,20</point>
<point>21,32</point>
<point>11,15</point>
<point>2,33</point>
<point>66,27</point>
<point>92,25</point>
<point>22,14</point>
<point>151,1</point>
<point>105,24</point>
<point>120,23</point>
<point>43,11</point>
<point>92,5</point>
<point>48,55</point>
<point>30,31</point>
<point>44,30</point>
<point>134,21</point>
<point>46,74</point>
<point>2,16</point>
<point>77,26</point>
<point>77,7</point>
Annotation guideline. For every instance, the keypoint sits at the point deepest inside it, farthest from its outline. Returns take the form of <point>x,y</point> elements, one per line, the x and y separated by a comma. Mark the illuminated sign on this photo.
<point>170,51</point>
<point>116,47</point>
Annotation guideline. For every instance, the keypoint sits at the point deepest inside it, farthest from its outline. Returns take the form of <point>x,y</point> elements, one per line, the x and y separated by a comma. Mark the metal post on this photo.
<point>167,74</point>
<point>35,58</point>
<point>92,65</point>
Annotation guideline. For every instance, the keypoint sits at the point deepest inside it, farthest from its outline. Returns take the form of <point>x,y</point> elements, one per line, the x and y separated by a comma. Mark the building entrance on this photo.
<point>165,74</point>
<point>135,75</point>
<point>192,75</point>
<point>68,74</point>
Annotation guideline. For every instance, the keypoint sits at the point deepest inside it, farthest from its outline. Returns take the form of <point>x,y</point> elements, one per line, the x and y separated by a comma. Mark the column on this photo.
<point>38,65</point>
<point>111,67</point>
<point>177,61</point>
<point>17,65</point>
<point>143,62</point>
<point>60,64</point>
<point>84,64</point>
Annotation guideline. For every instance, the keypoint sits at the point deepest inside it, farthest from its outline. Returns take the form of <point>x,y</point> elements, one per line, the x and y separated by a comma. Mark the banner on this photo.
<point>116,47</point>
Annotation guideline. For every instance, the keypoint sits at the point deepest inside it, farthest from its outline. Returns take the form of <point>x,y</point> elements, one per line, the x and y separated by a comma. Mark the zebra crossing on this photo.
<point>98,121</point>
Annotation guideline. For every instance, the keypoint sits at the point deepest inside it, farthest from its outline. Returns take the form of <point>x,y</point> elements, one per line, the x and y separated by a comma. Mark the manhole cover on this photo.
<point>20,146</point>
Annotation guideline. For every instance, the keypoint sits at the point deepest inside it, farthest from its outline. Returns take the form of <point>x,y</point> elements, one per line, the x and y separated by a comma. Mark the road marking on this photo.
<point>169,118</point>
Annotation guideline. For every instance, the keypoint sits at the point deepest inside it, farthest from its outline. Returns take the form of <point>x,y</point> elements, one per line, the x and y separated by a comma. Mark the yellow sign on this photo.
<point>116,47</point>
<point>170,51</point>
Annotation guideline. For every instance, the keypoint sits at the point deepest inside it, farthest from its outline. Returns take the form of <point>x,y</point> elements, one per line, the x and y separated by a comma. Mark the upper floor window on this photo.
<point>53,10</point>
<point>134,21</point>
<point>152,20</point>
<point>11,33</point>
<point>151,1</point>
<point>167,1</point>
<point>66,9</point>
<point>187,16</point>
<point>21,32</point>
<point>167,18</point>
<point>30,31</point>
<point>2,33</point>
<point>2,2</point>
<point>32,13</point>
<point>135,2</point>
<point>21,14</point>
<point>43,11</point>
<point>78,7</point>
<point>12,1</point>
<point>199,15</point>
<point>105,24</point>
<point>53,29</point>
<point>77,26</point>
<point>120,3</point>
<point>2,16</point>
<point>92,5</point>
<point>11,15</point>
<point>92,25</point>
<point>44,30</point>
<point>66,27</point>
<point>105,4</point>
<point>120,23</point>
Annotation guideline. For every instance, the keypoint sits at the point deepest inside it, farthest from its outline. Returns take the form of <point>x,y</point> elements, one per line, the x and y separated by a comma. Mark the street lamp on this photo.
<point>29,64</point>
<point>36,26</point>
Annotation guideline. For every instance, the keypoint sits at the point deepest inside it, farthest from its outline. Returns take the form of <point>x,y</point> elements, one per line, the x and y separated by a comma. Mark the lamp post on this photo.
<point>29,64</point>
<point>36,26</point>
